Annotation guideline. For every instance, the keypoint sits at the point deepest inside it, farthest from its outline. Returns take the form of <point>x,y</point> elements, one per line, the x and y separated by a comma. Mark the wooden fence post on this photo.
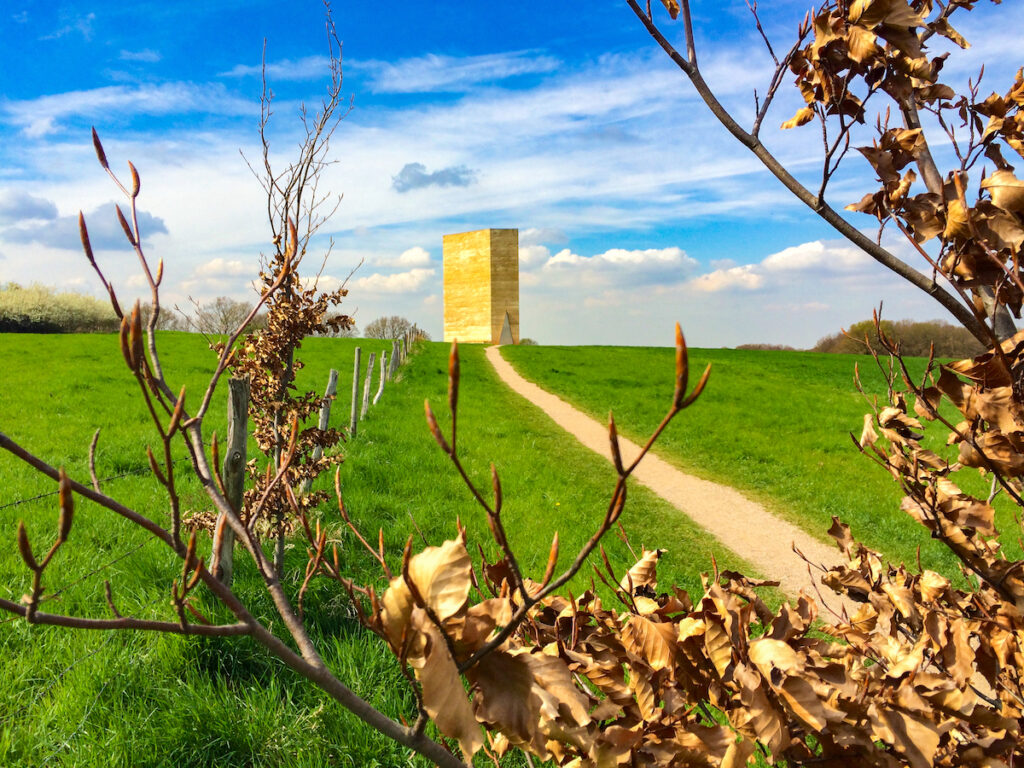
<point>234,474</point>
<point>325,420</point>
<point>383,368</point>
<point>394,360</point>
<point>366,385</point>
<point>354,420</point>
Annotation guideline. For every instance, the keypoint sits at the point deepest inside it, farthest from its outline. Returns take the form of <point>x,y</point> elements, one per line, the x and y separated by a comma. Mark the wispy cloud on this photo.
<point>415,176</point>
<point>73,24</point>
<point>306,68</point>
<point>146,55</point>
<point>41,116</point>
<point>439,74</point>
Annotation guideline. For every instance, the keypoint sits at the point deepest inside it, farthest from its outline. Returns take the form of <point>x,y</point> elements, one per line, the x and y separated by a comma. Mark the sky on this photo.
<point>635,209</point>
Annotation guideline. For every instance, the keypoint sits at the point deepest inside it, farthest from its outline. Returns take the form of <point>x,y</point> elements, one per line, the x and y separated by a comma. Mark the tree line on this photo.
<point>43,309</point>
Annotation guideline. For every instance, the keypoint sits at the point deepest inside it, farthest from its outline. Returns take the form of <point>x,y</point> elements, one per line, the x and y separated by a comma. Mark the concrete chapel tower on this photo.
<point>481,286</point>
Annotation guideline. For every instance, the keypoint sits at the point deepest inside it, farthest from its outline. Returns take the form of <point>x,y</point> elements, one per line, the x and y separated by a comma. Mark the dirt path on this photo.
<point>747,528</point>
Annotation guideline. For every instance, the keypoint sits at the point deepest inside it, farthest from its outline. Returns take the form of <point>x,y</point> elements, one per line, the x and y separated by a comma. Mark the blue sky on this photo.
<point>635,209</point>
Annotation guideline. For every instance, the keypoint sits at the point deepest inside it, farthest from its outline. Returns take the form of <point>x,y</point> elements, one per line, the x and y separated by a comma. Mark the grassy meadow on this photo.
<point>79,698</point>
<point>773,424</point>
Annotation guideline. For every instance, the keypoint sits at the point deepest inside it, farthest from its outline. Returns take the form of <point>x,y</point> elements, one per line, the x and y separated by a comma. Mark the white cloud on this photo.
<point>220,267</point>
<point>399,282</point>
<point>416,256</point>
<point>744,278</point>
<point>541,235</point>
<point>435,73</point>
<point>637,260</point>
<point>817,259</point>
<point>532,255</point>
<point>817,256</point>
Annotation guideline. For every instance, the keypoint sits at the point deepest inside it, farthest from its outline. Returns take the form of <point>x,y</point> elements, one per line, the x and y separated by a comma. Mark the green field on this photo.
<point>773,424</point>
<point>90,699</point>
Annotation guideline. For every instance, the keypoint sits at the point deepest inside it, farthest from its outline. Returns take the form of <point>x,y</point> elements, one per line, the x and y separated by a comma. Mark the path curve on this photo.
<point>744,526</point>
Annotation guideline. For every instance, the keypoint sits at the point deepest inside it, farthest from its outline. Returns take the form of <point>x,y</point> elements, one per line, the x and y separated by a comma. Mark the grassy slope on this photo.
<point>774,424</point>
<point>91,699</point>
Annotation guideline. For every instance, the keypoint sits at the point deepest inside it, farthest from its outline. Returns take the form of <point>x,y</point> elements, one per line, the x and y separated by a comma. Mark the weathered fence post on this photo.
<point>354,420</point>
<point>325,420</point>
<point>383,369</point>
<point>366,385</point>
<point>394,360</point>
<point>234,474</point>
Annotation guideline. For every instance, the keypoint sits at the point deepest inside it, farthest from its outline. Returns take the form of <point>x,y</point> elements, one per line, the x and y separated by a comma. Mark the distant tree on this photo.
<point>168,320</point>
<point>527,342</point>
<point>222,315</point>
<point>393,326</point>
<point>767,347</point>
<point>915,338</point>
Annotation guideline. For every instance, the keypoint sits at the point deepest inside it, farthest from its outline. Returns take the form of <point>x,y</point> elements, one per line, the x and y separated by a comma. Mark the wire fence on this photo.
<point>399,353</point>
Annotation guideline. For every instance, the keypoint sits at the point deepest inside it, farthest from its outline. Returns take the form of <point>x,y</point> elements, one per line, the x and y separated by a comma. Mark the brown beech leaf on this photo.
<point>956,221</point>
<point>672,6</point>
<point>445,699</point>
<point>803,116</point>
<point>644,574</point>
<point>870,13</point>
<point>718,646</point>
<point>482,619</point>
<point>998,450</point>
<point>868,436</point>
<point>397,607</point>
<point>758,717</point>
<point>926,405</point>
<point>768,654</point>
<point>802,701</point>
<point>646,697</point>
<point>861,44</point>
<point>916,738</point>
<point>691,627</point>
<point>502,696</point>
<point>1006,189</point>
<point>442,576</point>
<point>944,28</point>
<point>738,754</point>
<point>654,642</point>
<point>932,586</point>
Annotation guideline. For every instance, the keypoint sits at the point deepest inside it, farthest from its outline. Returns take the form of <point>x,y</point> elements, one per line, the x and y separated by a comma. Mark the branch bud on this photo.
<point>434,429</point>
<point>124,225</point>
<point>136,183</point>
<point>25,548</point>
<point>67,507</point>
<point>682,369</point>
<point>99,150</point>
<point>83,232</point>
